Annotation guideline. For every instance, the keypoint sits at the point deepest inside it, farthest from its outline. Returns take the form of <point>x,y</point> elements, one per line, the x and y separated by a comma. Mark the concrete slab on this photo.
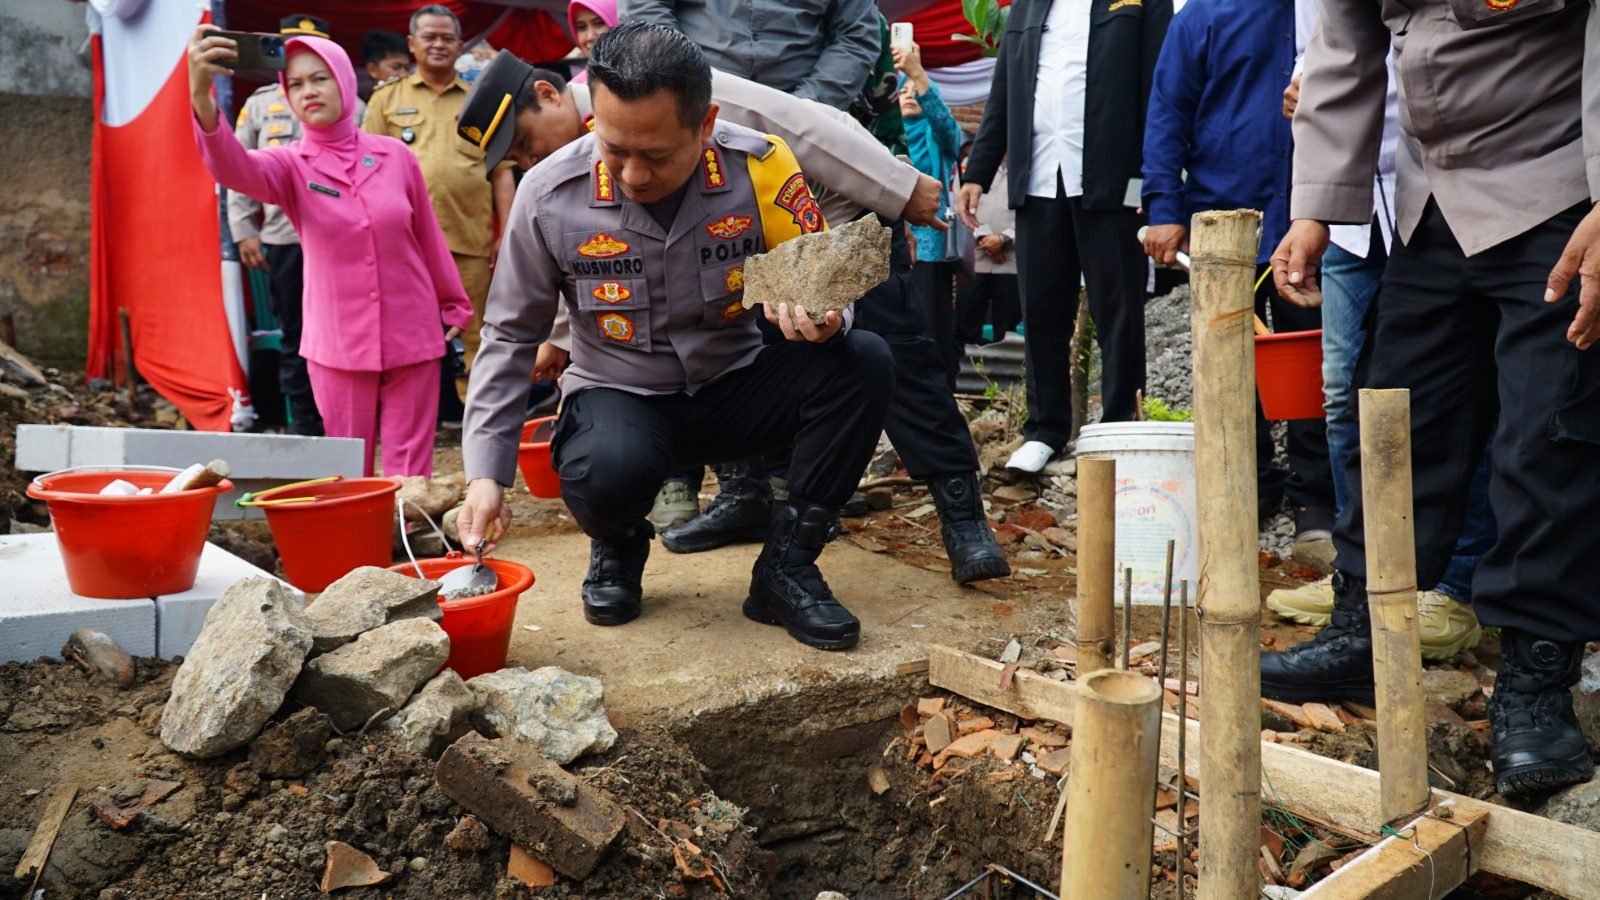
<point>693,651</point>
<point>258,461</point>
<point>179,616</point>
<point>38,611</point>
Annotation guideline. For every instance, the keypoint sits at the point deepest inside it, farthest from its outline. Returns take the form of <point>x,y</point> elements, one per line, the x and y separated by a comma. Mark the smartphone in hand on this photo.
<point>900,35</point>
<point>256,51</point>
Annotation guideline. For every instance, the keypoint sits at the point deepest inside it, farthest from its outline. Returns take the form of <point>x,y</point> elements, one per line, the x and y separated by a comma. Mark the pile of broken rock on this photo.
<point>369,653</point>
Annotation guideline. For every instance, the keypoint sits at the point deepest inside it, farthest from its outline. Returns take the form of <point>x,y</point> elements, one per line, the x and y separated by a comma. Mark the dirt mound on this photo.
<point>230,832</point>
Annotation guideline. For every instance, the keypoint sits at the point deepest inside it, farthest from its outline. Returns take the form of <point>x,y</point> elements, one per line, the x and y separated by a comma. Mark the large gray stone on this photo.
<point>561,713</point>
<point>1577,805</point>
<point>436,716</point>
<point>249,652</point>
<point>821,271</point>
<point>366,598</point>
<point>371,677</point>
<point>1586,701</point>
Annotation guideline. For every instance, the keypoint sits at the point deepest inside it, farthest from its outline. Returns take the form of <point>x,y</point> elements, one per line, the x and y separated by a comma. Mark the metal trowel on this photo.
<point>469,580</point>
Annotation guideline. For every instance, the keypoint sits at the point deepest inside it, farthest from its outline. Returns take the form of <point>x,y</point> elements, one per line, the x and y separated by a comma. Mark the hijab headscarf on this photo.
<point>605,9</point>
<point>341,138</point>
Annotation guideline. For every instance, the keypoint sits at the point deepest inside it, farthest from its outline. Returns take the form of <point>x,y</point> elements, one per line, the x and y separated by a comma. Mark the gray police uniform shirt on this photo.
<point>264,121</point>
<point>848,169</point>
<point>653,312</point>
<point>820,50</point>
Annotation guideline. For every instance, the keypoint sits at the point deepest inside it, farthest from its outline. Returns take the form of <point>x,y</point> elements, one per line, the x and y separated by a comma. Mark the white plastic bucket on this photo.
<point>1155,502</point>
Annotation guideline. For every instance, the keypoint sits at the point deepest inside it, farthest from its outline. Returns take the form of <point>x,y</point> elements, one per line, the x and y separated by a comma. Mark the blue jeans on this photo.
<point>1349,285</point>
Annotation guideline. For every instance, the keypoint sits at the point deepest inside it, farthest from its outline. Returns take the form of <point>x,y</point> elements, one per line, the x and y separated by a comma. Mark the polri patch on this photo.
<point>611,292</point>
<point>616,327</point>
<point>795,196</point>
<point>602,246</point>
<point>729,226</point>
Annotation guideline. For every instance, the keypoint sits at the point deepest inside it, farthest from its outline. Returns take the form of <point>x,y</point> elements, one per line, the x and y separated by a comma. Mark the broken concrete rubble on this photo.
<point>292,747</point>
<point>249,653</point>
<point>365,599</point>
<point>372,677</point>
<point>560,713</point>
<point>436,716</point>
<point>509,785</point>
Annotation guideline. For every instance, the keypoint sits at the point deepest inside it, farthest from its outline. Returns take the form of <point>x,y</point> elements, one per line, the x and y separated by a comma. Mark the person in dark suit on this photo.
<point>1068,109</point>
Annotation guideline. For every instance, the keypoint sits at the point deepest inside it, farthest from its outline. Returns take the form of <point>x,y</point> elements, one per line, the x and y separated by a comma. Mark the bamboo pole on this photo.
<point>1223,249</point>
<point>1392,600</point>
<point>1097,527</point>
<point>1106,851</point>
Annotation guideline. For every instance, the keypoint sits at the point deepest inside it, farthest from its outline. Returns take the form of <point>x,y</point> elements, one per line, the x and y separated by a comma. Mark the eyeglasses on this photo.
<point>446,39</point>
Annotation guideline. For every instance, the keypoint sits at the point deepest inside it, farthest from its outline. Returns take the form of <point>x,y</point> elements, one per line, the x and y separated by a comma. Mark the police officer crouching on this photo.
<point>668,369</point>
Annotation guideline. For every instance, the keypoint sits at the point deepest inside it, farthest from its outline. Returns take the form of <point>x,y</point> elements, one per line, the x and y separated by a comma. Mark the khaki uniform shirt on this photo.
<point>654,310</point>
<point>425,120</point>
<point>265,120</point>
<point>1498,109</point>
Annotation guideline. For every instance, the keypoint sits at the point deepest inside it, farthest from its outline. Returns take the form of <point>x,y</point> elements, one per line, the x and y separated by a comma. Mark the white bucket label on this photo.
<point>1151,512</point>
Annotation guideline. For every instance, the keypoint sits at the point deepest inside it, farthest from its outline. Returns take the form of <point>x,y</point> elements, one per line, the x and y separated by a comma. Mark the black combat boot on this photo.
<point>974,553</point>
<point>740,513</point>
<point>786,587</point>
<point>614,586</point>
<point>1537,744</point>
<point>1334,665</point>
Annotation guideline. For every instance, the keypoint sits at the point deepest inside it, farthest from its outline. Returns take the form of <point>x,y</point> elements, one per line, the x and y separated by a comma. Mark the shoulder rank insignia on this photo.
<point>615,326</point>
<point>611,292</point>
<point>796,197</point>
<point>604,188</point>
<point>602,246</point>
<point>588,122</point>
<point>729,226</point>
<point>711,165</point>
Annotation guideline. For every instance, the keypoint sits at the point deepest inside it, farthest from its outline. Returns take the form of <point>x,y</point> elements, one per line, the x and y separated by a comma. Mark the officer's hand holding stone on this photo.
<point>797,325</point>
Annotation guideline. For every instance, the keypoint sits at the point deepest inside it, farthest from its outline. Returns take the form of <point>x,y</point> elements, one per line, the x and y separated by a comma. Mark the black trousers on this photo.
<point>613,449</point>
<point>285,275</point>
<point>934,290</point>
<point>1309,481</point>
<point>988,297</point>
<point>1059,244</point>
<point>1473,340</point>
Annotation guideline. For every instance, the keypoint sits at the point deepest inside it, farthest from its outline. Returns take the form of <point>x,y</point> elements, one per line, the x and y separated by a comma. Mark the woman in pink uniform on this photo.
<point>588,19</point>
<point>381,292</point>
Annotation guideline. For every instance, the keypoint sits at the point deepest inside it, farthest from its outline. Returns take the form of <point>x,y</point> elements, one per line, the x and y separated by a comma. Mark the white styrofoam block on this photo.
<point>45,448</point>
<point>179,616</point>
<point>257,461</point>
<point>38,611</point>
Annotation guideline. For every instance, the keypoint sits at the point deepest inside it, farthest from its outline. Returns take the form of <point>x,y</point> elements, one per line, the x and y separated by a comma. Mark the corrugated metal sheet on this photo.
<point>1001,363</point>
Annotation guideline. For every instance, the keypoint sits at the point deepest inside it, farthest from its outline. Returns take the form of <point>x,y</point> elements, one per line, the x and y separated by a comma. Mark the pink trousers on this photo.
<point>399,405</point>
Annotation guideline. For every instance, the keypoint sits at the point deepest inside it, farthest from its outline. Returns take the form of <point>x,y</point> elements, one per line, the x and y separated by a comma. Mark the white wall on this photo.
<point>39,44</point>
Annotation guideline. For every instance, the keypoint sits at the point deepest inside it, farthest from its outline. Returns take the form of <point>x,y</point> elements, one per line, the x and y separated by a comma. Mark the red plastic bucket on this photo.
<point>127,547</point>
<point>349,525</point>
<point>1289,374</point>
<point>479,627</point>
<point>533,457</point>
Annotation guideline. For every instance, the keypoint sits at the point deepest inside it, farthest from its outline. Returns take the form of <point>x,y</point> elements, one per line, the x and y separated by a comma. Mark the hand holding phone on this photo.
<point>256,51</point>
<point>900,35</point>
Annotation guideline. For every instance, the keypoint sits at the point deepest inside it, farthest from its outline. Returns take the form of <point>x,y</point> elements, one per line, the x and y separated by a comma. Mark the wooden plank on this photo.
<point>1426,863</point>
<point>1030,695</point>
<point>55,812</point>
<point>1542,852</point>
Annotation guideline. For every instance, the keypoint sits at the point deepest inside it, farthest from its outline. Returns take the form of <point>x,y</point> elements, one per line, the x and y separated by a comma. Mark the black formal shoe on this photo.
<point>1334,665</point>
<point>1537,744</point>
<point>856,506</point>
<point>613,587</point>
<point>786,587</point>
<point>974,553</point>
<point>739,514</point>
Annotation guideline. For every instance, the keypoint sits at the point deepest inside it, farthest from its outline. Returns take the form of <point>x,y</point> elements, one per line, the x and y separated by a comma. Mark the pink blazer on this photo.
<point>379,278</point>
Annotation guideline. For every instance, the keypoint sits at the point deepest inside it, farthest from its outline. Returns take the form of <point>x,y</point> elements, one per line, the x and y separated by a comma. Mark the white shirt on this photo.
<point>1357,239</point>
<point>1058,100</point>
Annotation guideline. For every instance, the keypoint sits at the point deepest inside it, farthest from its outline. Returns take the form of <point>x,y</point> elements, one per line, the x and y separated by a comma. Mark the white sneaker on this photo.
<point>1031,457</point>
